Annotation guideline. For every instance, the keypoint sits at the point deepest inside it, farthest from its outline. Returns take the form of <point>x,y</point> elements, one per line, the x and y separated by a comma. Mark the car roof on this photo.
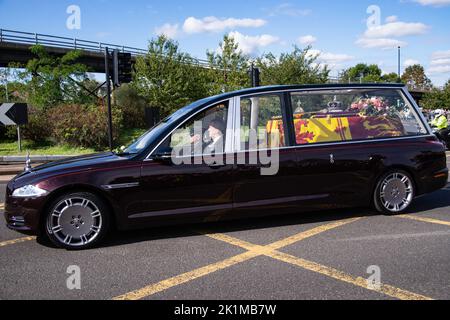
<point>258,90</point>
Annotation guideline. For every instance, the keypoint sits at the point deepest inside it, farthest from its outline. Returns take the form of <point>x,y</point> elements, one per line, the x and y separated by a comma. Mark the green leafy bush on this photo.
<point>39,128</point>
<point>84,126</point>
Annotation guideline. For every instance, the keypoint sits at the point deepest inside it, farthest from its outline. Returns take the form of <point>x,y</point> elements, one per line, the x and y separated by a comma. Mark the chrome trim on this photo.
<point>317,145</point>
<point>227,206</point>
<point>404,90</point>
<point>181,211</point>
<point>121,186</point>
<point>17,219</point>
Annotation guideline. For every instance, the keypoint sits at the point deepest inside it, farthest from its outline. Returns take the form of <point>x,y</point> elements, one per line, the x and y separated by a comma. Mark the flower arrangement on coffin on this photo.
<point>375,106</point>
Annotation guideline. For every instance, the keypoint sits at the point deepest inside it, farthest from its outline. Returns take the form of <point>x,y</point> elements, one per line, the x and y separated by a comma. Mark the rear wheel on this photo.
<point>77,221</point>
<point>394,193</point>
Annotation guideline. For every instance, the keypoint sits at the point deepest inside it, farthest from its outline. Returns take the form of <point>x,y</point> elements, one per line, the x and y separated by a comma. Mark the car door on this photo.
<point>178,186</point>
<point>266,175</point>
<point>339,133</point>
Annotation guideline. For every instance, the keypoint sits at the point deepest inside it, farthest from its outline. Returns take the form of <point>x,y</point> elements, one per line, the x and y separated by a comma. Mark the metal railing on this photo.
<point>21,37</point>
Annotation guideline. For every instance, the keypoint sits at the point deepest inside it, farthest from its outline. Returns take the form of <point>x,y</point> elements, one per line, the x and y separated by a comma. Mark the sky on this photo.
<point>343,32</point>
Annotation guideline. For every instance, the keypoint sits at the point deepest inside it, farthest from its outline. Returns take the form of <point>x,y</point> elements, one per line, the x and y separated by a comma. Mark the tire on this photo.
<point>394,193</point>
<point>77,221</point>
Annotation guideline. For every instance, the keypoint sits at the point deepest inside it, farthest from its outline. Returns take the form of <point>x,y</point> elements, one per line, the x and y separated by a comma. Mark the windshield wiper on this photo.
<point>127,153</point>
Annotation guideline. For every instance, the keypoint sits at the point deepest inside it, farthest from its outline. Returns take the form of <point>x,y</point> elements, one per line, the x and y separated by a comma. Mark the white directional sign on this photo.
<point>13,114</point>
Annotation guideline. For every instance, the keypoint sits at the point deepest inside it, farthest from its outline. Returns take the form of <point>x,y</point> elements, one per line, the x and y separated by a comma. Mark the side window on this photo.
<point>261,123</point>
<point>356,114</point>
<point>204,134</point>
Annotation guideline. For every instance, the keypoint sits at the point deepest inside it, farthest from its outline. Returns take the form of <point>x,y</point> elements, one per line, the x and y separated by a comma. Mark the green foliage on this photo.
<point>166,77</point>
<point>296,67</point>
<point>228,67</point>
<point>84,126</point>
<point>49,78</point>
<point>132,106</point>
<point>364,73</point>
<point>390,78</point>
<point>39,127</point>
<point>437,98</point>
<point>415,77</point>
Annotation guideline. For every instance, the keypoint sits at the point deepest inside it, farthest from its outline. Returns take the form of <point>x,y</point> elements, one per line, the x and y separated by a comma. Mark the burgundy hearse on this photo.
<point>329,145</point>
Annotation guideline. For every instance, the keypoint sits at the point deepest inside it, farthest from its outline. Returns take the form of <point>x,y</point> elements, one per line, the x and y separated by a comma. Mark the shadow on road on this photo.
<point>439,199</point>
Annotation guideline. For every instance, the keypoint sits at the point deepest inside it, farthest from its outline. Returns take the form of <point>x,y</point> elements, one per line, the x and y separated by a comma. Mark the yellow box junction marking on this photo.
<point>271,251</point>
<point>253,252</point>
<point>423,219</point>
<point>15,241</point>
<point>2,206</point>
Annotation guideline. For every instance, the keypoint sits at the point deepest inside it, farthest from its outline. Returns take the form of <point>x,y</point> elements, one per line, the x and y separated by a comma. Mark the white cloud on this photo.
<point>212,24</point>
<point>439,69</point>
<point>307,40</point>
<point>252,44</point>
<point>440,62</point>
<point>332,60</point>
<point>169,30</point>
<point>289,9</point>
<point>410,62</point>
<point>391,19</point>
<point>382,43</point>
<point>441,55</point>
<point>396,29</point>
<point>434,3</point>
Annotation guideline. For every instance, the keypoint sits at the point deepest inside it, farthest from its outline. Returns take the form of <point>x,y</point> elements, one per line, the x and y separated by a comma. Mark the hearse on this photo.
<point>329,146</point>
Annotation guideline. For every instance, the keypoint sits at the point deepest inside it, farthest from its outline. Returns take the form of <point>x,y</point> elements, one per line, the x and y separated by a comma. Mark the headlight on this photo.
<point>29,192</point>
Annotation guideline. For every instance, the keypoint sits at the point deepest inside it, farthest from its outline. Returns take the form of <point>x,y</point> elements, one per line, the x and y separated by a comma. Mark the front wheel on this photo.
<point>394,193</point>
<point>77,221</point>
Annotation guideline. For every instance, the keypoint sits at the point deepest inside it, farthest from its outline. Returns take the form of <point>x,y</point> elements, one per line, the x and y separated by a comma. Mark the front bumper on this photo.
<point>23,215</point>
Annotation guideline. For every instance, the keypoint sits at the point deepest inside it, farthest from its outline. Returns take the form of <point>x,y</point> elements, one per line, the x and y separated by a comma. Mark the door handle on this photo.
<point>332,161</point>
<point>216,166</point>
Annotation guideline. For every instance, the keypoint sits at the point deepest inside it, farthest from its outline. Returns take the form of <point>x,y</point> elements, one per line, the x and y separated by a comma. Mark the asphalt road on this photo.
<point>323,255</point>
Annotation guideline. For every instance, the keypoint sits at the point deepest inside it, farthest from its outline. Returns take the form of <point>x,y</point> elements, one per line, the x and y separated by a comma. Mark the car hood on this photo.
<point>70,164</point>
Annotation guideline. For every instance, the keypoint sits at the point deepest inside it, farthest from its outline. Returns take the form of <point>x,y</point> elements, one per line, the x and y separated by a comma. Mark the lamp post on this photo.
<point>399,62</point>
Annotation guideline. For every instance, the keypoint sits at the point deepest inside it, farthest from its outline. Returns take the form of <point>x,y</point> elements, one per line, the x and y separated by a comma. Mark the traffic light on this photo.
<point>122,68</point>
<point>254,74</point>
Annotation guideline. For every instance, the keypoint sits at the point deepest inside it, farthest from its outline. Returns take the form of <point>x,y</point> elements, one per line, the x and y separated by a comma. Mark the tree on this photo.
<point>447,85</point>
<point>390,77</point>
<point>50,77</point>
<point>228,67</point>
<point>437,99</point>
<point>363,73</point>
<point>415,77</point>
<point>132,105</point>
<point>296,67</point>
<point>168,78</point>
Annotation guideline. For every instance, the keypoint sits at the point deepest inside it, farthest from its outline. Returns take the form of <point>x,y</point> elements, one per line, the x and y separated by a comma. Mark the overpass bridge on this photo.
<point>15,47</point>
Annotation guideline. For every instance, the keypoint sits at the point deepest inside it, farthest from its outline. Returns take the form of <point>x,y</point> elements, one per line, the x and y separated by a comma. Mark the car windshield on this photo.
<point>150,136</point>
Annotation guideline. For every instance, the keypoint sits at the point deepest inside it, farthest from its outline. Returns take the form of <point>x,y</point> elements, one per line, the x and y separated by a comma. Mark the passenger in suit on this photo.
<point>216,132</point>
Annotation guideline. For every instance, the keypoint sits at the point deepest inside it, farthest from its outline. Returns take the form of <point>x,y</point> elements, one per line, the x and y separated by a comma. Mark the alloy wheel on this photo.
<point>75,222</point>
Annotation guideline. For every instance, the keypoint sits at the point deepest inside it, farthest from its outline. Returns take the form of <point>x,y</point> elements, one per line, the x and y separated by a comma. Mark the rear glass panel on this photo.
<point>351,115</point>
